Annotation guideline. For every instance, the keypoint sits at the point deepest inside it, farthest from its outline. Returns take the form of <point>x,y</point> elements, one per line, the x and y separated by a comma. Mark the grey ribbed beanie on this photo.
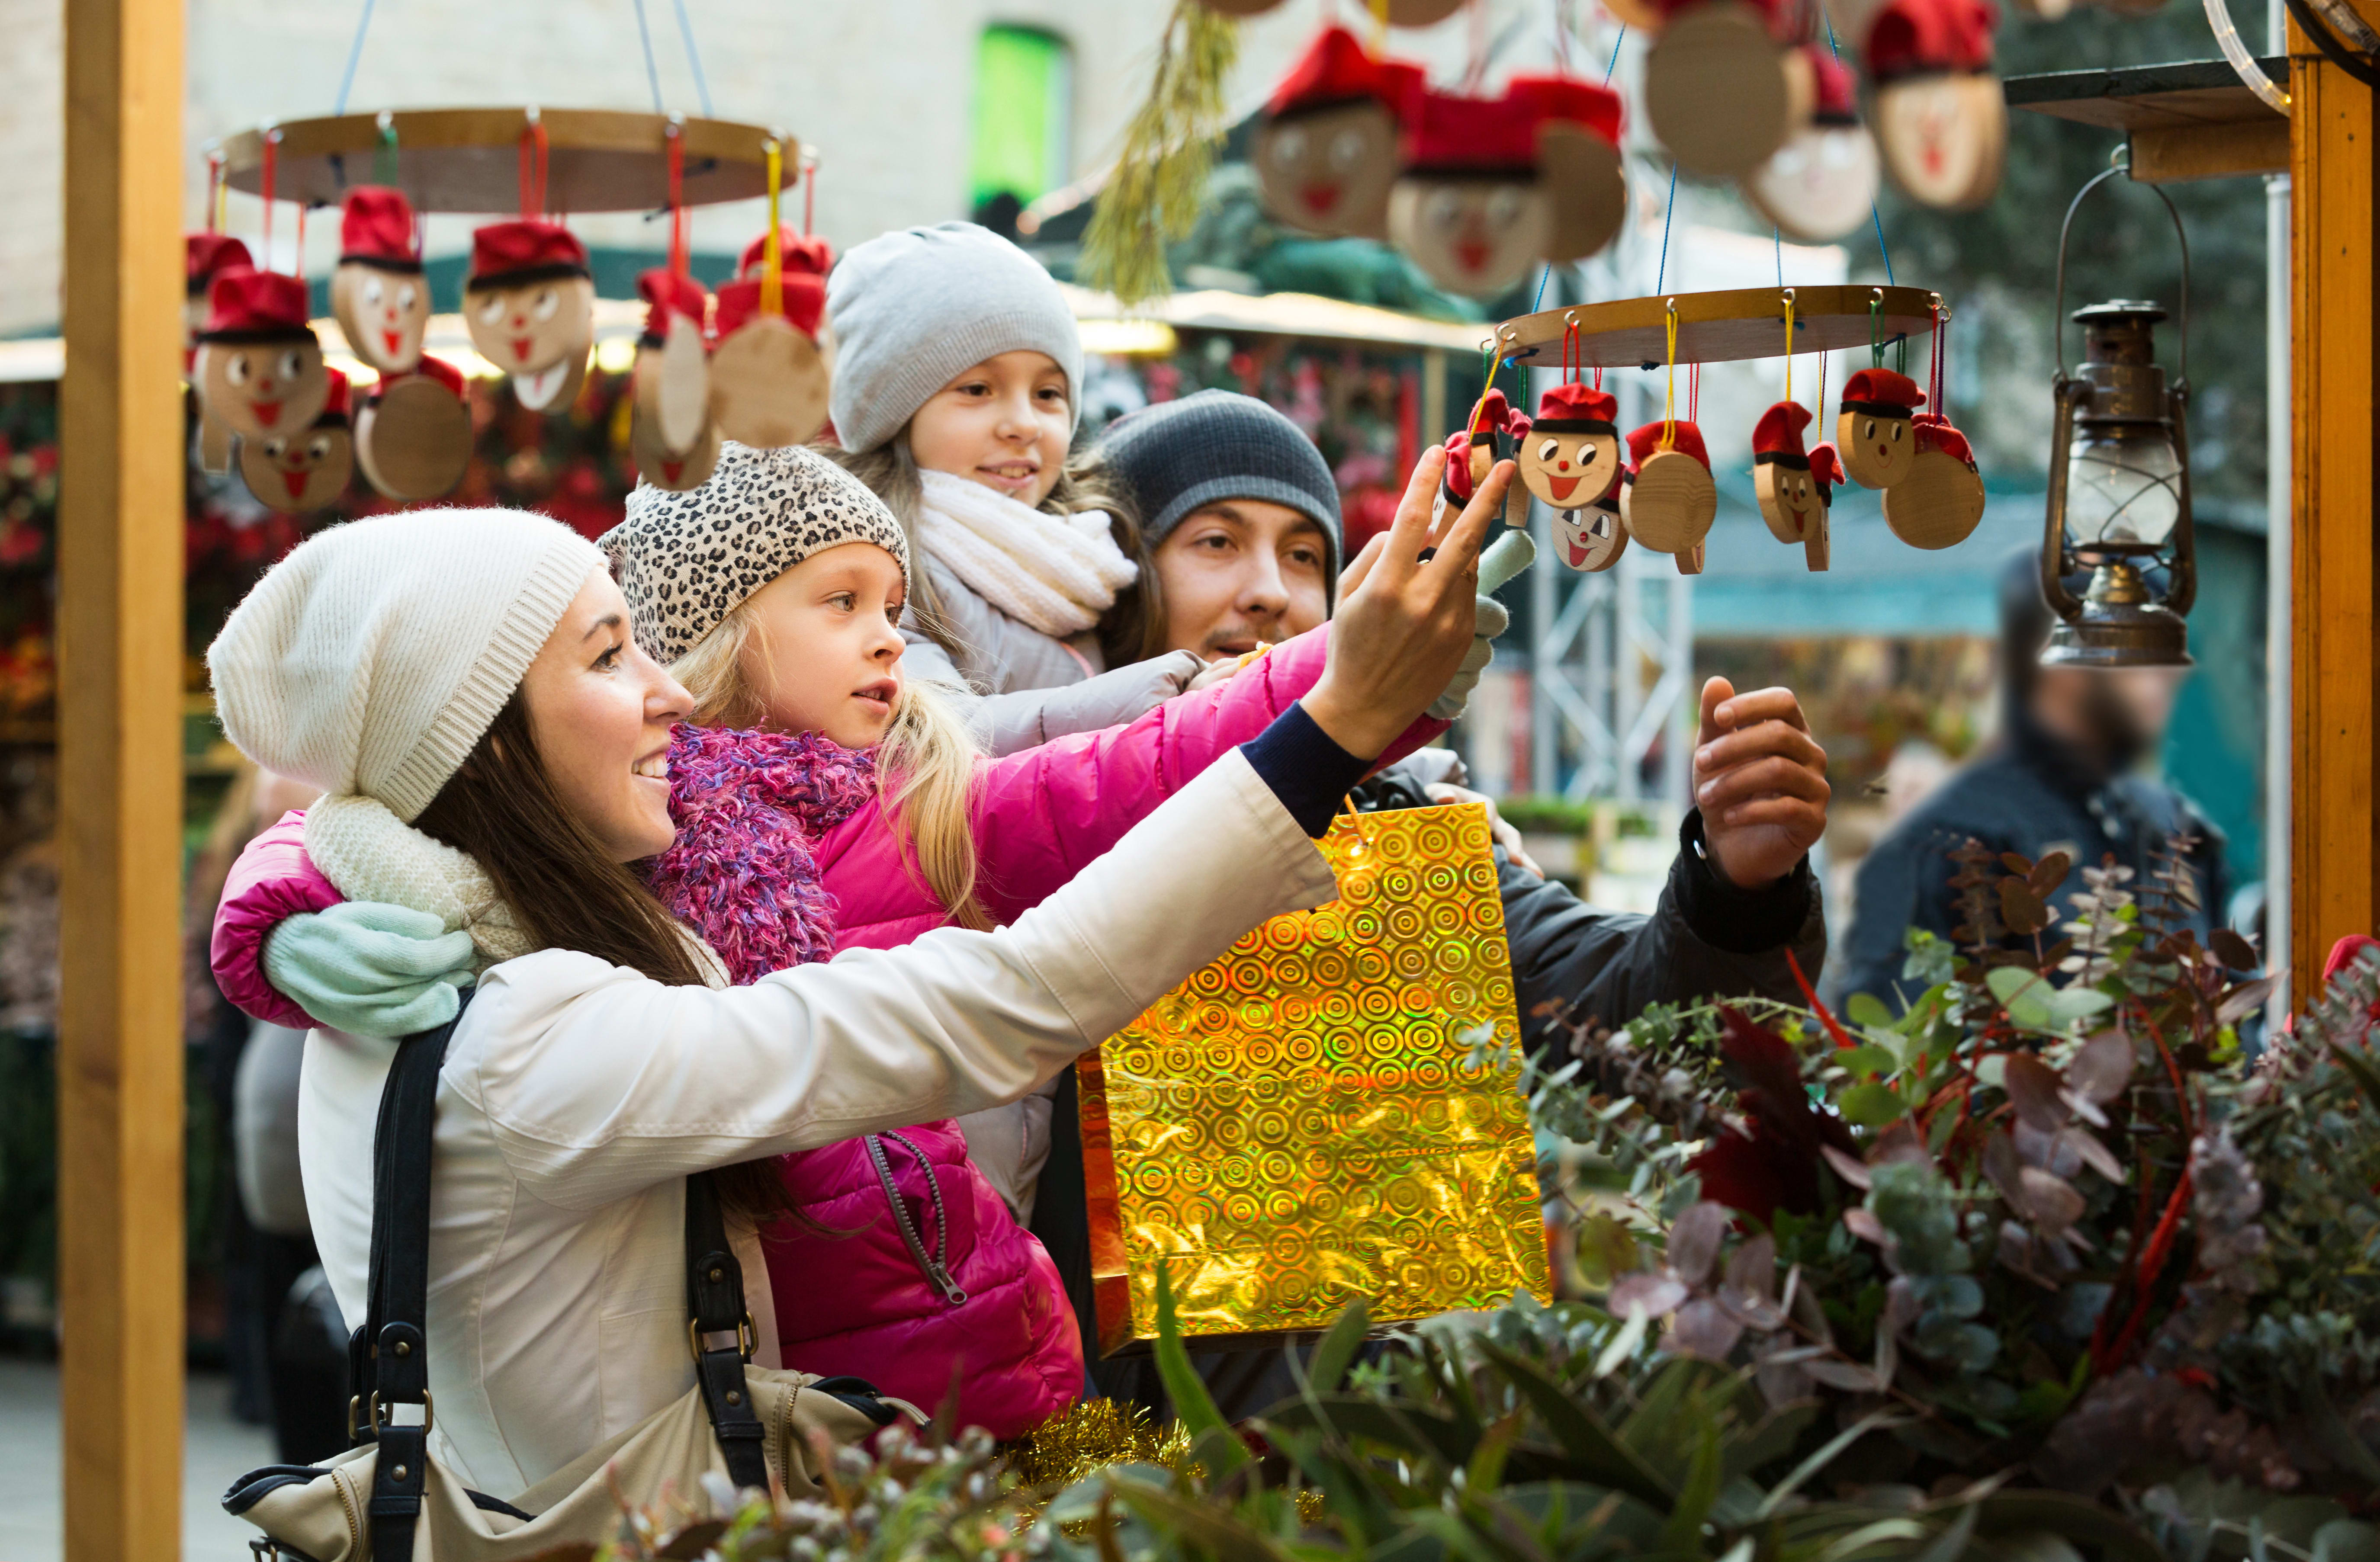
<point>371,658</point>
<point>1178,455</point>
<point>911,310</point>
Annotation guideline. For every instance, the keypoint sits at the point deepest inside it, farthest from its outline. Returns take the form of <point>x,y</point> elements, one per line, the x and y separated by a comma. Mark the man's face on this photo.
<point>2119,715</point>
<point>1239,572</point>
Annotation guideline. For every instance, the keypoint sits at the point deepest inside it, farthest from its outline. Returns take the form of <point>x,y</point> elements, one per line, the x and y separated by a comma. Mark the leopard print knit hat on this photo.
<point>685,559</point>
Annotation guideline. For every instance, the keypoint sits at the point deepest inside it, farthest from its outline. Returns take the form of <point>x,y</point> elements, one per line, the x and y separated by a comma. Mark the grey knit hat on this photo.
<point>686,559</point>
<point>1179,455</point>
<point>912,310</point>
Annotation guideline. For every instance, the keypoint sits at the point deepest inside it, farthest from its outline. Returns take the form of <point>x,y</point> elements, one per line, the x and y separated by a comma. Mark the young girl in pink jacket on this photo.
<point>825,804</point>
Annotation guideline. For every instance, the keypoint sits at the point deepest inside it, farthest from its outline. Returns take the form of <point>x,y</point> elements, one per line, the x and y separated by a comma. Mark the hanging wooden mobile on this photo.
<point>1578,161</point>
<point>1941,118</point>
<point>1328,150</point>
<point>1722,93</point>
<point>1821,183</point>
<point>1940,503</point>
<point>530,298</point>
<point>378,292</point>
<point>1671,503</point>
<point>1468,208</point>
<point>770,371</point>
<point>296,473</point>
<point>413,433</point>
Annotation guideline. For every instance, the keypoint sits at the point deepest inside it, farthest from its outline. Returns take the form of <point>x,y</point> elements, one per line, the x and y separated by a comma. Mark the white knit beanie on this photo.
<point>373,657</point>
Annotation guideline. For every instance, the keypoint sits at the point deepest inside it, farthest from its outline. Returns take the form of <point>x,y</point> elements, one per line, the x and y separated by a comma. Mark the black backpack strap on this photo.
<point>720,1328</point>
<point>389,1354</point>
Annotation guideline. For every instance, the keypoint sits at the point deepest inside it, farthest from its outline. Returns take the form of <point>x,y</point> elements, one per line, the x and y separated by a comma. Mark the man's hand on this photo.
<point>1404,623</point>
<point>1760,779</point>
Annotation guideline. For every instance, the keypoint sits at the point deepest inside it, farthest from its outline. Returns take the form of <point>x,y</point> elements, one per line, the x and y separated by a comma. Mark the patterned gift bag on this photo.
<point>1299,1124</point>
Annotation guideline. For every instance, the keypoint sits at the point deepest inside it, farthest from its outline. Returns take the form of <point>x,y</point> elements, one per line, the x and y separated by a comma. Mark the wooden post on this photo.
<point>2335,372</point>
<point>120,1237</point>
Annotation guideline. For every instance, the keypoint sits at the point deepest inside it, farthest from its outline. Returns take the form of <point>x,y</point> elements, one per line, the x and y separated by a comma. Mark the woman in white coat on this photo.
<point>463,687</point>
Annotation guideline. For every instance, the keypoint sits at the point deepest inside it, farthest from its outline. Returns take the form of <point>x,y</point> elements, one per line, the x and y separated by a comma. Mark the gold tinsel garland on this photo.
<point>1087,1437</point>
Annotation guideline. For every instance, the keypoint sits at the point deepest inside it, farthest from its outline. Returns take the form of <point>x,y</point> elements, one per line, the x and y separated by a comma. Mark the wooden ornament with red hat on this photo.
<point>296,473</point>
<point>1941,118</point>
<point>378,293</point>
<point>1941,502</point>
<point>1468,208</point>
<point>1492,435</point>
<point>204,255</point>
<point>1578,161</point>
<point>1327,152</point>
<point>413,433</point>
<point>1594,536</point>
<point>773,367</point>
<point>1721,90</point>
<point>529,299</point>
<point>1572,454</point>
<point>1672,502</point>
<point>1690,560</point>
<point>258,369</point>
<point>1821,183</point>
<point>1872,428</point>
<point>673,438</point>
<point>1827,474</point>
<point>1788,496</point>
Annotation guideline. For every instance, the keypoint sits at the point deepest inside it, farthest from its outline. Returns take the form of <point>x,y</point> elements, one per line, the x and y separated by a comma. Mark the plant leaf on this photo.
<point>1598,1455</point>
<point>1871,1105</point>
<point>1193,1406</point>
<point>2031,1087</point>
<point>2360,1067</point>
<point>1210,1525</point>
<point>2077,1518</point>
<point>1336,1353</point>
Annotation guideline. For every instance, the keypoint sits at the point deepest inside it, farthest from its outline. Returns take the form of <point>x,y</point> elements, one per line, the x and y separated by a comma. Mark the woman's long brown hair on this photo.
<point>502,809</point>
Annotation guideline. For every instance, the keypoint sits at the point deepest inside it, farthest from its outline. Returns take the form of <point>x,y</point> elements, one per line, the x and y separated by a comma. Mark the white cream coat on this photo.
<point>577,1097</point>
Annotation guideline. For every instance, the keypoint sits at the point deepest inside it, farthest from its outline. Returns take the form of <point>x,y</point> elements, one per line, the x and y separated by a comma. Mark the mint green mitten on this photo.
<point>371,969</point>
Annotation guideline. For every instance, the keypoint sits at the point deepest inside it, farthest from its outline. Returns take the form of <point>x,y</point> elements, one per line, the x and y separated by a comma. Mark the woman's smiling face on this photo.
<point>1004,423</point>
<point>600,711</point>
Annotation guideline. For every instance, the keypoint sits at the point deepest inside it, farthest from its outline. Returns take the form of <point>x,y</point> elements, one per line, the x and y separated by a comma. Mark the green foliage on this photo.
<point>1154,193</point>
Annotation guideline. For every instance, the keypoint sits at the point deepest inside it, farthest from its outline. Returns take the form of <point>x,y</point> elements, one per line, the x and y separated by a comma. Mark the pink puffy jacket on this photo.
<point>737,876</point>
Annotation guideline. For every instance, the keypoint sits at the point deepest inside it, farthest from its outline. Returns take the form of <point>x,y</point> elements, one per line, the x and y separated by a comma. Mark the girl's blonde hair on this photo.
<point>1133,630</point>
<point>925,767</point>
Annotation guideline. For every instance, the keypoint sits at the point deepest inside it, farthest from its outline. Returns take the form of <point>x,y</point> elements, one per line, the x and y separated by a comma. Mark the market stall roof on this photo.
<point>2192,120</point>
<point>1277,314</point>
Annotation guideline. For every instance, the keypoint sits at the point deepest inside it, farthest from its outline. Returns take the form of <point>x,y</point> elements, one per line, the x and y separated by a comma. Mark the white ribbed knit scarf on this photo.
<point>369,854</point>
<point>1056,574</point>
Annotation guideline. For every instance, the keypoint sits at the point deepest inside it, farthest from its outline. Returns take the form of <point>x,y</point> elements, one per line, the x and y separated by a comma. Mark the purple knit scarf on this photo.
<point>749,806</point>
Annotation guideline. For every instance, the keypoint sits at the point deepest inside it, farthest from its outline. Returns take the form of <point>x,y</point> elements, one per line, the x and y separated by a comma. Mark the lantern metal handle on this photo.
<point>2057,320</point>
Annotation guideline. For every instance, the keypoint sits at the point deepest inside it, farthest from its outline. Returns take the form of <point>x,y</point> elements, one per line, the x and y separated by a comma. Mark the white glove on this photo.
<point>1505,557</point>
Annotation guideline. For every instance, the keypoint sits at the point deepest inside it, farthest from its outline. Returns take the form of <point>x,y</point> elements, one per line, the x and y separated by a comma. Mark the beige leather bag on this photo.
<point>390,1501</point>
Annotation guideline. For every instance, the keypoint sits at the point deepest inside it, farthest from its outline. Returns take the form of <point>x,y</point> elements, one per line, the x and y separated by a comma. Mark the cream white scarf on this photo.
<point>369,854</point>
<point>1056,574</point>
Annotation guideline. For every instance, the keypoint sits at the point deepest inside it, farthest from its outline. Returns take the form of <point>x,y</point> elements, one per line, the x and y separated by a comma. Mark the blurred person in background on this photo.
<point>2067,772</point>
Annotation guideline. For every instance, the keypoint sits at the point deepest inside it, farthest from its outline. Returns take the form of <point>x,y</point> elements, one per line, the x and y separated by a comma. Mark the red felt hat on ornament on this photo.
<point>1915,37</point>
<point>508,254</point>
<point>739,303</point>
<point>1777,436</point>
<point>376,228</point>
<point>1826,467</point>
<point>1883,393</point>
<point>1458,464</point>
<point>1495,413</point>
<point>1450,135</point>
<point>335,407</point>
<point>246,304</point>
<point>1335,69</point>
<point>440,370</point>
<point>1684,438</point>
<point>205,254</point>
<point>1575,407</point>
<point>796,252</point>
<point>1838,101</point>
<point>1934,433</point>
<point>1569,99</point>
<point>668,293</point>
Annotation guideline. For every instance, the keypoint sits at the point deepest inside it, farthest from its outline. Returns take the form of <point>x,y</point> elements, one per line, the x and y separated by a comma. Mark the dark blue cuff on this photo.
<point>1310,774</point>
<point>1726,917</point>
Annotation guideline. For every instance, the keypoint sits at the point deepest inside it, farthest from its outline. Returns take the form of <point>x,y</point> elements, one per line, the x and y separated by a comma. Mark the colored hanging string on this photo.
<point>1489,364</point>
<point>1693,393</point>
<point>1874,215</point>
<point>1669,395</point>
<point>1574,352</point>
<point>214,192</point>
<point>693,60</point>
<point>1788,343</point>
<point>1614,63</point>
<point>1942,352</point>
<point>1668,211</point>
<point>1379,9</point>
<point>1544,276</point>
<point>1561,36</point>
<point>1824,359</point>
<point>1875,328</point>
<point>297,261</point>
<point>773,267</point>
<point>355,53</point>
<point>265,191</point>
<point>1477,71</point>
<point>681,220</point>
<point>652,71</point>
<point>533,167</point>
<point>808,163</point>
<point>384,167</point>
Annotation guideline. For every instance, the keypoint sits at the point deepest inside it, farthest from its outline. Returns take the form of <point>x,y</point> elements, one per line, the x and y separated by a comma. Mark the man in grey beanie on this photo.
<point>1240,514</point>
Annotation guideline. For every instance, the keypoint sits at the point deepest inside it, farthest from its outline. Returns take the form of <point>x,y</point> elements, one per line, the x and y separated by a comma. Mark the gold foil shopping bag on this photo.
<point>1298,1124</point>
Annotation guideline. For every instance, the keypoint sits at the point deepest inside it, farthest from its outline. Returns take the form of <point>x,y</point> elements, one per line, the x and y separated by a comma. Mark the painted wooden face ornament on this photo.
<point>1941,118</point>
<point>1792,500</point>
<point>529,303</point>
<point>672,440</point>
<point>1593,537</point>
<point>296,473</point>
<point>1572,454</point>
<point>769,374</point>
<point>378,292</point>
<point>1470,457</point>
<point>1941,502</point>
<point>1327,152</point>
<point>1578,161</point>
<point>1827,474</point>
<point>1721,93</point>
<point>1872,430</point>
<point>259,368</point>
<point>1469,208</point>
<point>413,434</point>
<point>1821,182</point>
<point>1671,505</point>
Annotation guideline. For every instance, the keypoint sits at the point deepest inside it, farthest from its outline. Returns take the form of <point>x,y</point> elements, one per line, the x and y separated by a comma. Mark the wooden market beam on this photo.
<point>120,1237</point>
<point>2335,386</point>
